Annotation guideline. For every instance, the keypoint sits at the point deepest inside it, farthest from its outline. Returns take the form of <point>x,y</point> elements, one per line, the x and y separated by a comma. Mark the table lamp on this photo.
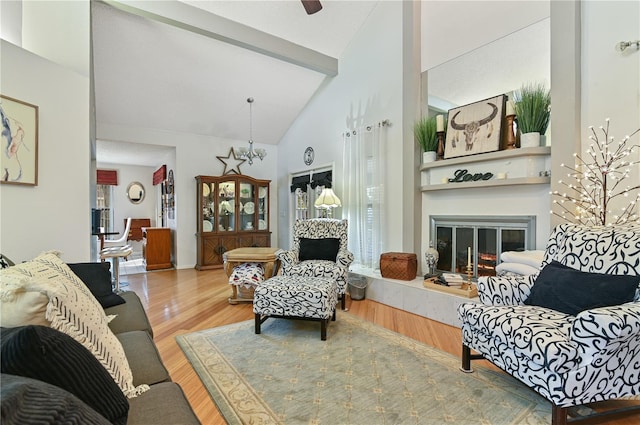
<point>327,201</point>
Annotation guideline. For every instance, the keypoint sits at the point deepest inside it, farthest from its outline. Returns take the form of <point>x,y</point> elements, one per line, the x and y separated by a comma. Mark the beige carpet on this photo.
<point>362,374</point>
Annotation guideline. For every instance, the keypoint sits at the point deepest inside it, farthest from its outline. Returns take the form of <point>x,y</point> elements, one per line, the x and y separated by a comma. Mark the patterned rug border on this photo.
<point>229,386</point>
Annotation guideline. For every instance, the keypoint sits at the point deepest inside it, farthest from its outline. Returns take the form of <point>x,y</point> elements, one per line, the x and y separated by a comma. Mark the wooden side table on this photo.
<point>156,248</point>
<point>234,257</point>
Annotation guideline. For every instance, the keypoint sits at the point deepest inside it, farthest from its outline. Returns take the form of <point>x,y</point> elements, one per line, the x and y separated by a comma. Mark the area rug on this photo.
<point>362,374</point>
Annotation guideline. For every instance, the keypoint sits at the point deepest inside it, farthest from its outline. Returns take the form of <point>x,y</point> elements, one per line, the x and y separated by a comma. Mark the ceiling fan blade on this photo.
<point>312,6</point>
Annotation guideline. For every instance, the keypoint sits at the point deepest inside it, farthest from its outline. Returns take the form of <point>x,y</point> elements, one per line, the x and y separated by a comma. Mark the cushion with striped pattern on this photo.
<point>51,356</point>
<point>72,309</point>
<point>29,401</point>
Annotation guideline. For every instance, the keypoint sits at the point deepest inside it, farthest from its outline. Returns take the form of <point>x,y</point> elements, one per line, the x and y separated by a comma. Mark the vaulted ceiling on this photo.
<point>157,71</point>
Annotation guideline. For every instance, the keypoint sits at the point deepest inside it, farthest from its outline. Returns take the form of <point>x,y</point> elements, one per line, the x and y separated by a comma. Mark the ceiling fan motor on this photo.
<point>311,6</point>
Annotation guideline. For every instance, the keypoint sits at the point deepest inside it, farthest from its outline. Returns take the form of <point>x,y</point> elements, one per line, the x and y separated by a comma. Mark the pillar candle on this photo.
<point>469,255</point>
<point>439,123</point>
<point>511,109</point>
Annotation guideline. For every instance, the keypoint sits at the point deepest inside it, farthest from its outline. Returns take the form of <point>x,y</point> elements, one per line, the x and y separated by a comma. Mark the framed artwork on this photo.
<point>475,128</point>
<point>19,156</point>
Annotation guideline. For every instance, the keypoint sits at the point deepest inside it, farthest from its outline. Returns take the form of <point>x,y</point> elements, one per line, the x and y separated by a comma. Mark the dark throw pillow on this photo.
<point>97,277</point>
<point>29,401</point>
<point>48,355</point>
<point>319,249</point>
<point>571,291</point>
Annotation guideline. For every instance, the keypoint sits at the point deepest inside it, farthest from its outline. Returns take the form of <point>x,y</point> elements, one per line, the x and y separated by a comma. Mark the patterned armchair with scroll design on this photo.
<point>318,230</point>
<point>570,360</point>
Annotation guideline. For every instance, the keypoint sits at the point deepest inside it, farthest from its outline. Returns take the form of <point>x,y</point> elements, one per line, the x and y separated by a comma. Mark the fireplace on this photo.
<point>488,237</point>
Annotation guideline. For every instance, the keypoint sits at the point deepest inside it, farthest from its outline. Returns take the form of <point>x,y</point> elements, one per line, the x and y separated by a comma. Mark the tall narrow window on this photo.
<point>105,180</point>
<point>363,192</point>
<point>104,194</point>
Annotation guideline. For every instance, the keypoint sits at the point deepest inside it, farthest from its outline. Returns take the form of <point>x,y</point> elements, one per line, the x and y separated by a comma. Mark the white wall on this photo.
<point>195,155</point>
<point>454,27</point>
<point>610,79</point>
<point>55,215</point>
<point>59,31</point>
<point>368,89</point>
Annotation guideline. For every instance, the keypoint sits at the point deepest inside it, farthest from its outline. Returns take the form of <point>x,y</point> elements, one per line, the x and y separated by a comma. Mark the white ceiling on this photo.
<point>149,74</point>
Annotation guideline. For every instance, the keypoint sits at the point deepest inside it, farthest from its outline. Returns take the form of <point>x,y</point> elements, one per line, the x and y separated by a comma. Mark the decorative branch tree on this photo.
<point>598,181</point>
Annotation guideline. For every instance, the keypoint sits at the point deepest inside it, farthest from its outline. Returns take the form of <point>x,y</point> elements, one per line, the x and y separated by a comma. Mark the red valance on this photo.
<point>109,177</point>
<point>160,175</point>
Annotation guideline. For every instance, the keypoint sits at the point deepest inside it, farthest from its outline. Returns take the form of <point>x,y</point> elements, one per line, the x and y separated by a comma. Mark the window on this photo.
<point>305,189</point>
<point>104,194</point>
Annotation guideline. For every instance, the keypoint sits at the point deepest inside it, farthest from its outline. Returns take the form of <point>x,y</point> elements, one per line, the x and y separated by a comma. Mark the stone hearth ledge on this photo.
<point>412,296</point>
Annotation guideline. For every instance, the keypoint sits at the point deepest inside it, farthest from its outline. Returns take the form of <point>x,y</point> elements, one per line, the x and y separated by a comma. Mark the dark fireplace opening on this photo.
<point>487,237</point>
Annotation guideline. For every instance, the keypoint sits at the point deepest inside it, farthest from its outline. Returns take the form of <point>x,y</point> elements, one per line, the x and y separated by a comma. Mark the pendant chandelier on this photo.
<point>250,153</point>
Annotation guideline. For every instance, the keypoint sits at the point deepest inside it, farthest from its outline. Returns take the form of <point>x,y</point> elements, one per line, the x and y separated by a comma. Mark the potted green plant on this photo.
<point>425,133</point>
<point>533,109</point>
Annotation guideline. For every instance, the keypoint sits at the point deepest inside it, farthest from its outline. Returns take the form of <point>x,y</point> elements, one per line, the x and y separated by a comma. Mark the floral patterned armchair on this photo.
<point>319,250</point>
<point>570,359</point>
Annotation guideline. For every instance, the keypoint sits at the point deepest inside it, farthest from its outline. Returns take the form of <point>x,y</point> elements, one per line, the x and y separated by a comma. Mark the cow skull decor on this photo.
<point>475,128</point>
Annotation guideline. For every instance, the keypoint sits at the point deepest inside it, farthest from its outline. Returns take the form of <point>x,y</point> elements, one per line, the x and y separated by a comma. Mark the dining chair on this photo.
<point>122,240</point>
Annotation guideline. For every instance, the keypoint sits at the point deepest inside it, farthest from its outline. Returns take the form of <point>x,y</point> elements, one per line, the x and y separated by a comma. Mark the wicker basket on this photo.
<point>399,265</point>
<point>244,292</point>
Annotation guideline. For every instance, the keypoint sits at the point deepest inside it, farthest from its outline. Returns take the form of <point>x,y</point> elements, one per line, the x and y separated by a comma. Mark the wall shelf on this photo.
<point>498,155</point>
<point>523,166</point>
<point>487,183</point>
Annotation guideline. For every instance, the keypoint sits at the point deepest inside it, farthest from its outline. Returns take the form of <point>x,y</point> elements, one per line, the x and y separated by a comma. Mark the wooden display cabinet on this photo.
<point>156,248</point>
<point>232,212</point>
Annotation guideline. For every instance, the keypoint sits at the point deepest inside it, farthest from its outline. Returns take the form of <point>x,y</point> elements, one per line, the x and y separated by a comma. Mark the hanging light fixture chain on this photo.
<point>250,100</point>
<point>250,153</point>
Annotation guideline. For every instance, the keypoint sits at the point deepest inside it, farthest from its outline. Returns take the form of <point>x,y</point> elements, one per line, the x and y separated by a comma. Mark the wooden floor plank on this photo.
<point>187,300</point>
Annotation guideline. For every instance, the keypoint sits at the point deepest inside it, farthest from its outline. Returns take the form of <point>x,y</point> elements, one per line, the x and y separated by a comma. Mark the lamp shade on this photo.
<point>328,199</point>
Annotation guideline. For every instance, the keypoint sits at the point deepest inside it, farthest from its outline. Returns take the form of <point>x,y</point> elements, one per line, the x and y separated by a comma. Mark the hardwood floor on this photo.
<point>184,301</point>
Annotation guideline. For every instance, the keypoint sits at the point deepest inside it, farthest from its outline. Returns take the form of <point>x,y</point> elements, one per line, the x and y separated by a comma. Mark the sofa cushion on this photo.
<point>22,306</point>
<point>29,401</point>
<point>51,356</point>
<point>97,277</point>
<point>163,404</point>
<point>540,335</point>
<point>144,360</point>
<point>319,249</point>
<point>570,291</point>
<point>130,316</point>
<point>73,310</point>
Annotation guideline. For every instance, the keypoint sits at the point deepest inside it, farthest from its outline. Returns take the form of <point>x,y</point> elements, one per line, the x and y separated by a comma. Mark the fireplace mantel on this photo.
<point>523,166</point>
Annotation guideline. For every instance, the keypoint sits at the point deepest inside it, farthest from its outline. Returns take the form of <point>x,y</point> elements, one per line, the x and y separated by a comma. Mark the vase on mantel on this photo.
<point>530,140</point>
<point>428,156</point>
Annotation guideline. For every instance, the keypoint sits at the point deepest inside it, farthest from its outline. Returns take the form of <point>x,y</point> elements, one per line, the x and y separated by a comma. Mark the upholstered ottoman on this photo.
<point>294,297</point>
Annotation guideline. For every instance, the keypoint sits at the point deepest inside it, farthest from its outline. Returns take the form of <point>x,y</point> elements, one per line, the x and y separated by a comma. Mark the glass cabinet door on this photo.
<point>263,207</point>
<point>226,206</point>
<point>208,207</point>
<point>247,206</point>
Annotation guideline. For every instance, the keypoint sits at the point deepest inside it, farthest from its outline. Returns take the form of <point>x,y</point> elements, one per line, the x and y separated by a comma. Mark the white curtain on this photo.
<point>363,192</point>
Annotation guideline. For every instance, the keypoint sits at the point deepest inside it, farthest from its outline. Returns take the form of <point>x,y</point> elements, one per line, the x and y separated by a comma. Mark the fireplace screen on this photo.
<point>486,238</point>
